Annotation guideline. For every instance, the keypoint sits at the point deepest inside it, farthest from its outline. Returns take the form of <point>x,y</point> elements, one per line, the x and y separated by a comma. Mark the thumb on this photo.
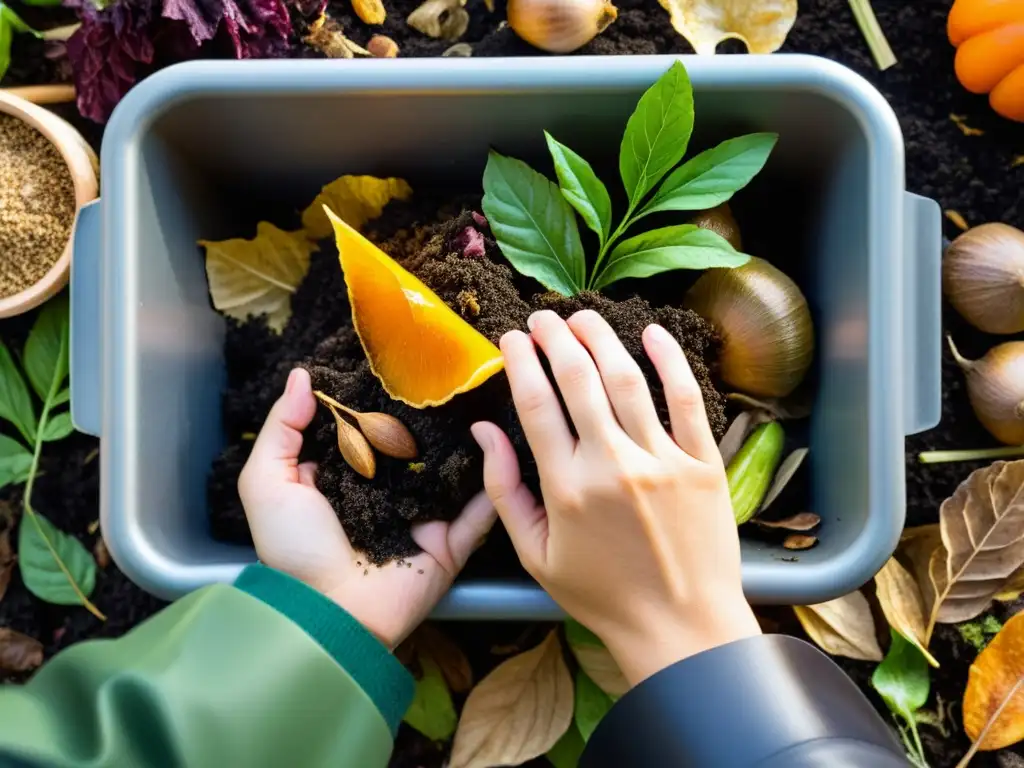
<point>525,521</point>
<point>276,451</point>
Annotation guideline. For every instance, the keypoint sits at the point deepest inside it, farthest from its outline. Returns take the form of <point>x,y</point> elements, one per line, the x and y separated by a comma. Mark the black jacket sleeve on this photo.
<point>771,702</point>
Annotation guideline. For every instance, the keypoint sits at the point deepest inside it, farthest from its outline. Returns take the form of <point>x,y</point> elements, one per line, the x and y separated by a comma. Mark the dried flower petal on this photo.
<point>444,19</point>
<point>761,24</point>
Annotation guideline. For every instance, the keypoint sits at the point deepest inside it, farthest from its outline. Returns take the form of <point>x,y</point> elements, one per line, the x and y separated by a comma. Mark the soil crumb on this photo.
<point>37,205</point>
<point>457,258</point>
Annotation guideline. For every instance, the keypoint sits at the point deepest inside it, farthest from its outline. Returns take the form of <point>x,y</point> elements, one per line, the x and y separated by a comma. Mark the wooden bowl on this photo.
<point>84,168</point>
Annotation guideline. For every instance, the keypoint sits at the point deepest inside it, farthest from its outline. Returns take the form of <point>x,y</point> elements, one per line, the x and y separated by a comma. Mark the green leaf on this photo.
<point>54,566</point>
<point>62,397</point>
<point>533,224</point>
<point>10,22</point>
<point>902,678</point>
<point>15,462</point>
<point>58,427</point>
<point>581,187</point>
<point>684,246</point>
<point>42,2</point>
<point>657,133</point>
<point>592,704</point>
<point>713,176</point>
<point>46,350</point>
<point>567,750</point>
<point>15,400</point>
<point>432,712</point>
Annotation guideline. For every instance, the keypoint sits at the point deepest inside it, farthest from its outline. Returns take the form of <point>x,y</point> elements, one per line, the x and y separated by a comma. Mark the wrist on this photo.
<point>647,647</point>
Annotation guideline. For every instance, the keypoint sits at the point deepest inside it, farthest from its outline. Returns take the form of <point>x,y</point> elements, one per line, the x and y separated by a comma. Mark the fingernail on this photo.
<point>291,380</point>
<point>482,436</point>
<point>531,321</point>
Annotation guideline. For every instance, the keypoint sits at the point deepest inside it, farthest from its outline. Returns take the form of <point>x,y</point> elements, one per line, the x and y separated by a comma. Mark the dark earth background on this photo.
<point>969,174</point>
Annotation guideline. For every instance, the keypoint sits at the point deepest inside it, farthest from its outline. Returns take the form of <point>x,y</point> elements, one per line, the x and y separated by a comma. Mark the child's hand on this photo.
<point>636,537</point>
<point>296,530</point>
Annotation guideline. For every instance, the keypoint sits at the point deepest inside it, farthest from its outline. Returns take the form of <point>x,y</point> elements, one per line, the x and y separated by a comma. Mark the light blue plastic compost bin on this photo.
<point>205,149</point>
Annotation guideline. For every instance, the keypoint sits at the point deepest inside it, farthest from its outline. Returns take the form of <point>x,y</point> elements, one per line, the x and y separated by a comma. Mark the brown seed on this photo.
<point>354,448</point>
<point>385,433</point>
<point>802,521</point>
<point>382,47</point>
<point>99,551</point>
<point>370,11</point>
<point>800,541</point>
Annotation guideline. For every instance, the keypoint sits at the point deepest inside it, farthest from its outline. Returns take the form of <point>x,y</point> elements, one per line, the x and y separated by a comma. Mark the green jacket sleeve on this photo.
<point>264,673</point>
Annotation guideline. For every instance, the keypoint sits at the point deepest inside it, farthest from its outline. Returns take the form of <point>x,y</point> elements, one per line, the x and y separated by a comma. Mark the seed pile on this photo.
<point>37,205</point>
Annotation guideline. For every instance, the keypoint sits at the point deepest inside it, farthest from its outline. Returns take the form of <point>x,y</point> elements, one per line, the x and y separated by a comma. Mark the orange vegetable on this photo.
<point>421,350</point>
<point>989,38</point>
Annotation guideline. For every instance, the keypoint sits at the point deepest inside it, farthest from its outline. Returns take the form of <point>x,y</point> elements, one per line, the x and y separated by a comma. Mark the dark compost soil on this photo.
<point>971,174</point>
<point>480,286</point>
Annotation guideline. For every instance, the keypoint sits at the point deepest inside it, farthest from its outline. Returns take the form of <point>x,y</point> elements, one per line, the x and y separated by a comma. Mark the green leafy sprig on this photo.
<point>54,565</point>
<point>533,222</point>
<point>11,23</point>
<point>902,680</point>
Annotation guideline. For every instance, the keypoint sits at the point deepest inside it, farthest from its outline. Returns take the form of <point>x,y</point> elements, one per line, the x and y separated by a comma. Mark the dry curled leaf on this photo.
<point>443,19</point>
<point>518,712</point>
<point>798,541</point>
<point>801,521</point>
<point>982,528</point>
<point>738,432</point>
<point>18,652</point>
<point>595,659</point>
<point>783,475</point>
<point>842,627</point>
<point>994,700</point>
<point>1013,588</point>
<point>432,642</point>
<point>258,276</point>
<point>760,24</point>
<point>903,605</point>
<point>326,36</point>
<point>797,406</point>
<point>356,200</point>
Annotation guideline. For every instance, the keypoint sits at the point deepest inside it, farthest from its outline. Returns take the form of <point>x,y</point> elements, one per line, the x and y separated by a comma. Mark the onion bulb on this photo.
<point>560,26</point>
<point>983,277</point>
<point>995,386</point>
<point>720,221</point>
<point>765,324</point>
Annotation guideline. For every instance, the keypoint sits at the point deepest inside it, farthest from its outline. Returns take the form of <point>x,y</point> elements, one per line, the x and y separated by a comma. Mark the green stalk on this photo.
<point>981,454</point>
<point>30,513</point>
<point>873,34</point>
<point>626,223</point>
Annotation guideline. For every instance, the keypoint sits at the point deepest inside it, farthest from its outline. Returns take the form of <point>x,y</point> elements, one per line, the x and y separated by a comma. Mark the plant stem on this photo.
<point>30,513</point>
<point>626,223</point>
<point>919,753</point>
<point>330,402</point>
<point>873,34</point>
<point>980,454</point>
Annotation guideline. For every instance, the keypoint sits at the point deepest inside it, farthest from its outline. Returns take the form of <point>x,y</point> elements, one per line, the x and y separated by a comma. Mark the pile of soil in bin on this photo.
<point>452,252</point>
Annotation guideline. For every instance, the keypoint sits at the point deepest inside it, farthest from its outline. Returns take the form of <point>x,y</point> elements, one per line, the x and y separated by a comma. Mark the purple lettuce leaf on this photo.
<point>252,25</point>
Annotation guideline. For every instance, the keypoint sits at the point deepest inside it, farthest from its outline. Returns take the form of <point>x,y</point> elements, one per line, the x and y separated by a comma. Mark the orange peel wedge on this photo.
<point>421,350</point>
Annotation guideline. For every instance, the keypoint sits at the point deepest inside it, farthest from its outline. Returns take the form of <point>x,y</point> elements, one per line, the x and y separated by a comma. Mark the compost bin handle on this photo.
<point>922,313</point>
<point>86,321</point>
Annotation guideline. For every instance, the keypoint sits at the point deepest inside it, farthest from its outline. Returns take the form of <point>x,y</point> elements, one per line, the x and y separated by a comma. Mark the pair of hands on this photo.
<point>635,536</point>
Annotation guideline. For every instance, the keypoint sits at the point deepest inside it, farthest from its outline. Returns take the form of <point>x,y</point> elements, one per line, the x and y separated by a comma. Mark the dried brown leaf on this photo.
<point>18,652</point>
<point>258,276</point>
<point>1013,588</point>
<point>443,19</point>
<point>761,24</point>
<point>738,432</point>
<point>789,467</point>
<point>994,700</point>
<point>454,665</point>
<point>797,406</point>
<point>801,521</point>
<point>903,604</point>
<point>798,541</point>
<point>982,527</point>
<point>842,627</point>
<point>518,712</point>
